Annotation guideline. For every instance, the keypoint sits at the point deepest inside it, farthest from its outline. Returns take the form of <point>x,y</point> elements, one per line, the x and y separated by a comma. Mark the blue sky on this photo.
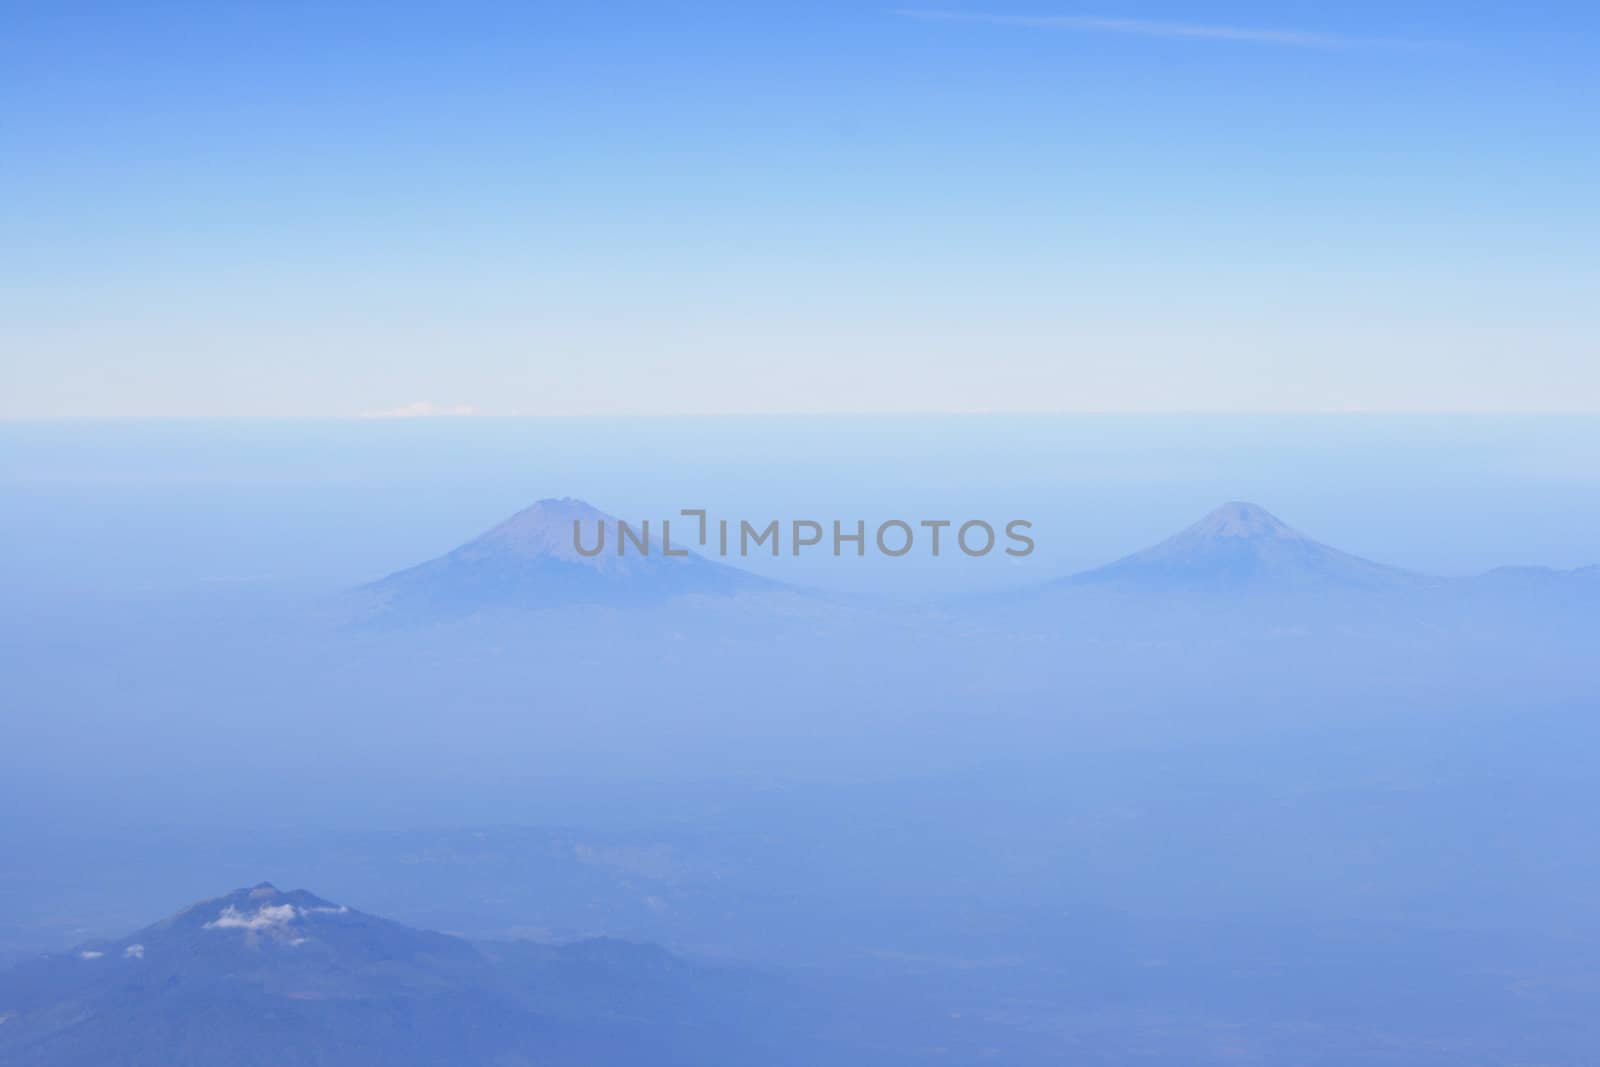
<point>609,208</point>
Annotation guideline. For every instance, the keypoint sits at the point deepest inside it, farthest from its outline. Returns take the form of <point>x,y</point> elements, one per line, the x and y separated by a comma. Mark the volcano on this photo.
<point>531,561</point>
<point>263,976</point>
<point>1242,546</point>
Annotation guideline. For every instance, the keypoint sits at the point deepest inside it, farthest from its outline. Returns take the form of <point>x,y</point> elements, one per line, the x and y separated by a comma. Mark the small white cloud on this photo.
<point>268,917</point>
<point>1157,28</point>
<point>90,955</point>
<point>133,952</point>
<point>422,409</point>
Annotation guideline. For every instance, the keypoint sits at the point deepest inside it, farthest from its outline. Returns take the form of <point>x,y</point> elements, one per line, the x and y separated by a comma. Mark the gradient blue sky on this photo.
<point>336,209</point>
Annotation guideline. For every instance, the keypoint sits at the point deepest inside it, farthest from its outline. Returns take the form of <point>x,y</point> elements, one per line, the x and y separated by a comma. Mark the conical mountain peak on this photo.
<point>1242,545</point>
<point>1242,520</point>
<point>533,560</point>
<point>543,530</point>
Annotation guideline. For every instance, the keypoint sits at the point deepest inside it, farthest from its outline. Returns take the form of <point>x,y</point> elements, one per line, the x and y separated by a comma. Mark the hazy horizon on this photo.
<point>359,499</point>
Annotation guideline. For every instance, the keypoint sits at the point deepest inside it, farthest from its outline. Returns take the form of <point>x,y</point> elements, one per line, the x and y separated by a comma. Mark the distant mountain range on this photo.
<point>529,561</point>
<point>261,976</point>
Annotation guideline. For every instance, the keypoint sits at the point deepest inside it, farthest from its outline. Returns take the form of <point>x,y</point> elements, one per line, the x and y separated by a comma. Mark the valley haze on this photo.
<point>1190,782</point>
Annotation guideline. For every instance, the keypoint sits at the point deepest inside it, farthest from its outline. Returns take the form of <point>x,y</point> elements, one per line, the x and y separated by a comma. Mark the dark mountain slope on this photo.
<point>265,978</point>
<point>262,977</point>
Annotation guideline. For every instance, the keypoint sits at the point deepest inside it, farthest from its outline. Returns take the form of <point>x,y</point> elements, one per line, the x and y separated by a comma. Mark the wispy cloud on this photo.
<point>422,409</point>
<point>1158,28</point>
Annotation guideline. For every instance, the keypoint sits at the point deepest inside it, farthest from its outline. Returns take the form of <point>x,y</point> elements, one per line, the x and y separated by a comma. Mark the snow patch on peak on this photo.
<point>268,916</point>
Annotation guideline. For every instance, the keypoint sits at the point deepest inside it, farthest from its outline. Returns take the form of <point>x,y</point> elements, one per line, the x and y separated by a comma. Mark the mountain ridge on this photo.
<point>261,976</point>
<point>531,560</point>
